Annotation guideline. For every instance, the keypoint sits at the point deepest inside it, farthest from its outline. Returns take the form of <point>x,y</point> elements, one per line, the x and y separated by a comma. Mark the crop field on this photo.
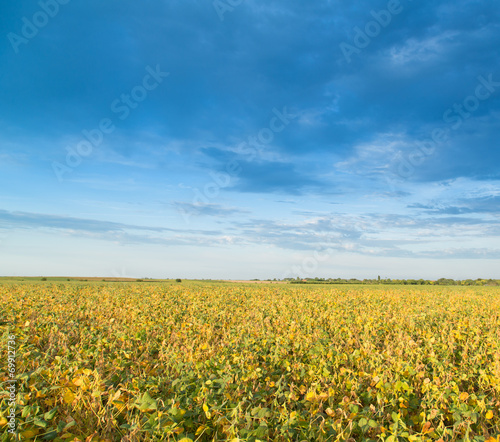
<point>140,361</point>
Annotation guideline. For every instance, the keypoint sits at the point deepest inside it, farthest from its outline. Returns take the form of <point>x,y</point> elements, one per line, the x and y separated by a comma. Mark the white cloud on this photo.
<point>426,50</point>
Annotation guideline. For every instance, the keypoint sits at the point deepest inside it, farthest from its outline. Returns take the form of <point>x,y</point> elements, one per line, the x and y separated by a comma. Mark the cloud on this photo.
<point>206,209</point>
<point>463,253</point>
<point>276,177</point>
<point>256,174</point>
<point>484,205</point>
<point>373,234</point>
<point>25,220</point>
<point>422,51</point>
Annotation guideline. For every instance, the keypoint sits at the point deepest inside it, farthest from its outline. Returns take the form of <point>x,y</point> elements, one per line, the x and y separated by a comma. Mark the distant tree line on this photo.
<point>440,281</point>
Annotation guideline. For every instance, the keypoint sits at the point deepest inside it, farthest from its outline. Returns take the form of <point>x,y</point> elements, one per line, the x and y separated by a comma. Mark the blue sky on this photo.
<point>250,139</point>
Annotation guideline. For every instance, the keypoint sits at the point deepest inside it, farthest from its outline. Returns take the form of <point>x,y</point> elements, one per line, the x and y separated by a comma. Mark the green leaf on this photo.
<point>50,414</point>
<point>64,426</point>
<point>51,435</point>
<point>363,422</point>
<point>60,426</point>
<point>69,425</point>
<point>264,412</point>
<point>146,402</point>
<point>40,422</point>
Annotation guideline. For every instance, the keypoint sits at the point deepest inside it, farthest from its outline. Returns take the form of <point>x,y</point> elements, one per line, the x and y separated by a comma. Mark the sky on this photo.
<point>243,139</point>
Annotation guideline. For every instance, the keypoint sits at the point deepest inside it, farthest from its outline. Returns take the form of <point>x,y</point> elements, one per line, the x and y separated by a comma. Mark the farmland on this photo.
<point>115,361</point>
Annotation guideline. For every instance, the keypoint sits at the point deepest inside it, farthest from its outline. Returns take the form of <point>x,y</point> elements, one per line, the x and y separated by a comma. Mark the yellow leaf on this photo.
<point>78,381</point>
<point>120,406</point>
<point>200,429</point>
<point>464,396</point>
<point>489,414</point>
<point>310,396</point>
<point>115,396</point>
<point>68,396</point>
<point>29,433</point>
<point>186,439</point>
<point>205,408</point>
<point>427,428</point>
<point>3,421</point>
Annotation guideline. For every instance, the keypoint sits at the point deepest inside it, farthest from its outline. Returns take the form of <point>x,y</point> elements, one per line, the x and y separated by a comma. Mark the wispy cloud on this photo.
<point>25,220</point>
<point>485,205</point>
<point>207,209</point>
